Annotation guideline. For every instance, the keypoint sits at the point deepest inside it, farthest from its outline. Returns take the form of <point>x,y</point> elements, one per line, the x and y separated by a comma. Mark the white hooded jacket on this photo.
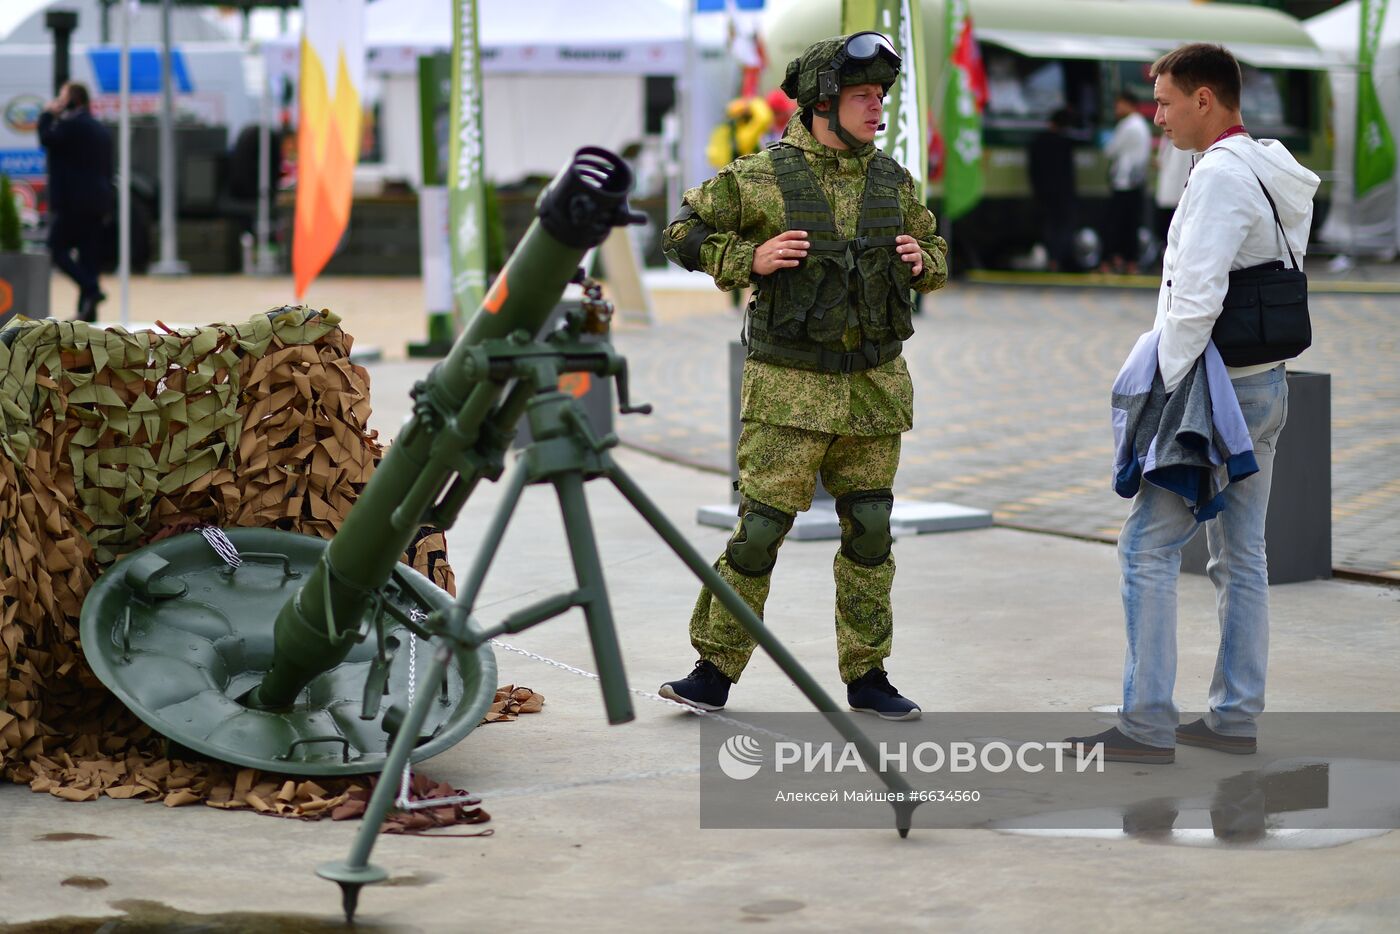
<point>1222,223</point>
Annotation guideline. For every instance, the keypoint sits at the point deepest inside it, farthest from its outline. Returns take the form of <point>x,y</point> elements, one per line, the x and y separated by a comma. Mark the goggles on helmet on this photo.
<point>860,48</point>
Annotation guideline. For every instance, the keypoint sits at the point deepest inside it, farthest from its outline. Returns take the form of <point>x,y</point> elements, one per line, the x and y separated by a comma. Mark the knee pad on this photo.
<point>753,548</point>
<point>865,536</point>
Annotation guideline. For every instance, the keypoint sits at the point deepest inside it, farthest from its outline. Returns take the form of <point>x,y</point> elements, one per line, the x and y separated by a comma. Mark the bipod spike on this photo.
<point>349,899</point>
<point>351,878</point>
<point>903,816</point>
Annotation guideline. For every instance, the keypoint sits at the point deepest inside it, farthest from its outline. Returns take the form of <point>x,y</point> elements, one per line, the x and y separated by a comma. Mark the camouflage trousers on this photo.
<point>778,466</point>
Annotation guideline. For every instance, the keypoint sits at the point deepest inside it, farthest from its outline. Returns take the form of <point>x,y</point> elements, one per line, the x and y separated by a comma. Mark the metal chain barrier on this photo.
<point>709,714</point>
<point>405,799</point>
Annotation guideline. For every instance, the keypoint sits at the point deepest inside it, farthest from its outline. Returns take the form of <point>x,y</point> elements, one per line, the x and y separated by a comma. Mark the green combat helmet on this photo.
<point>820,73</point>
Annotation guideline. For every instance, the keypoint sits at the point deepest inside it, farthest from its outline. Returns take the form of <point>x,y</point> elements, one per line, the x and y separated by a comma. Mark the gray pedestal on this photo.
<point>1298,530</point>
<point>820,522</point>
<point>24,285</point>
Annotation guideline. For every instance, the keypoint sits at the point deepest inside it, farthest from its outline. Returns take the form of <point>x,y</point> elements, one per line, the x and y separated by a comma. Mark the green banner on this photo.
<point>905,134</point>
<point>467,205</point>
<point>435,115</point>
<point>1375,147</point>
<point>962,120</point>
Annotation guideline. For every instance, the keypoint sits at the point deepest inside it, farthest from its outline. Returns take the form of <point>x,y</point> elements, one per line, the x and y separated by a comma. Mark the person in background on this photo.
<point>1173,165</point>
<point>1050,162</point>
<point>783,108</point>
<point>1129,152</point>
<point>244,159</point>
<point>747,119</point>
<point>79,151</point>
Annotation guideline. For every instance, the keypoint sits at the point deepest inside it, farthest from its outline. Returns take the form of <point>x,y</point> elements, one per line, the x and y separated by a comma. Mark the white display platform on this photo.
<point>820,522</point>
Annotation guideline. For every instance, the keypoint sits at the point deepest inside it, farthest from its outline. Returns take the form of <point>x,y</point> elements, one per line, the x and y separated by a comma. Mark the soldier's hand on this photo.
<point>782,252</point>
<point>909,250</point>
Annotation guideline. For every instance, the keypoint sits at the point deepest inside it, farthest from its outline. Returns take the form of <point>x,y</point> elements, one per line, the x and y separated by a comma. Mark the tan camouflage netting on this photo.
<point>109,440</point>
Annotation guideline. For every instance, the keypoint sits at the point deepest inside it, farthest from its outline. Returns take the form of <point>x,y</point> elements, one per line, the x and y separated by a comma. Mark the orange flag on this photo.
<point>328,136</point>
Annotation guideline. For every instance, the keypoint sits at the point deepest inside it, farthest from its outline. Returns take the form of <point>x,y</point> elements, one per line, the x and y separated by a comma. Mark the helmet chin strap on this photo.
<point>833,120</point>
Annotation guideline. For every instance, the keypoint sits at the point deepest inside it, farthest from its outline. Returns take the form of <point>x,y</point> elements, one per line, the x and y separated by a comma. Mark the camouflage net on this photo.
<point>110,440</point>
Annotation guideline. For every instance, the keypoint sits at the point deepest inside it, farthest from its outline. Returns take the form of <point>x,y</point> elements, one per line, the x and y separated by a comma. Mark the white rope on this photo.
<point>220,543</point>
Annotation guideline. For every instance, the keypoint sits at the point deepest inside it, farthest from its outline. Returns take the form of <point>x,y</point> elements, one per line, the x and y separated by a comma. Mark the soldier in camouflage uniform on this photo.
<point>832,235</point>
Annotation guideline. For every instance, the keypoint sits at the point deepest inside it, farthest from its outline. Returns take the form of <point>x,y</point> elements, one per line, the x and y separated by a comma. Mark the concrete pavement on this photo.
<point>596,827</point>
<point>1011,410</point>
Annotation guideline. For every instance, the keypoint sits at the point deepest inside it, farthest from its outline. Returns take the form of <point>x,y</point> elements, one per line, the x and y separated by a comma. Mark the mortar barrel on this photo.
<point>575,213</point>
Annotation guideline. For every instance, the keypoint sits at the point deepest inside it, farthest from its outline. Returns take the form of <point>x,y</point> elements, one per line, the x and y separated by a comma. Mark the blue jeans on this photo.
<point>1149,553</point>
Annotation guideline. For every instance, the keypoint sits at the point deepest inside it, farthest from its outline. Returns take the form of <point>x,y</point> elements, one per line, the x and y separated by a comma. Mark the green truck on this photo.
<point>1042,55</point>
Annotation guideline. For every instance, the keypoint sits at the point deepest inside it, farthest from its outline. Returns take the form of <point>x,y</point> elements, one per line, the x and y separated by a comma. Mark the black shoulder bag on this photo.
<point>1264,317</point>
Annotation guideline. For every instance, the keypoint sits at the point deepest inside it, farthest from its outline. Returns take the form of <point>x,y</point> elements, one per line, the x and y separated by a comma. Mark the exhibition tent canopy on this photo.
<point>1371,224</point>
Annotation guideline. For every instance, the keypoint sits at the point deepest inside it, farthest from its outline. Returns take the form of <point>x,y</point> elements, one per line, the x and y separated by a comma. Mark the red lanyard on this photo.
<point>1236,130</point>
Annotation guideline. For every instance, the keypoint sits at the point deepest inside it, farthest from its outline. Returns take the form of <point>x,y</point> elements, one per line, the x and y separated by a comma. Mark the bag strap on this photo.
<point>1268,197</point>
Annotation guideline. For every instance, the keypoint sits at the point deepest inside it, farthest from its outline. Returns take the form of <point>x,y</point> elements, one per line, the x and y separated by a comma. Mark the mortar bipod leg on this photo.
<point>357,871</point>
<point>491,540</point>
<point>583,548</point>
<point>903,804</point>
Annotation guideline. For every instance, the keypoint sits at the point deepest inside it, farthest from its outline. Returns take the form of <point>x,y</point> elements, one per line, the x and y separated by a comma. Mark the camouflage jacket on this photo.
<point>745,207</point>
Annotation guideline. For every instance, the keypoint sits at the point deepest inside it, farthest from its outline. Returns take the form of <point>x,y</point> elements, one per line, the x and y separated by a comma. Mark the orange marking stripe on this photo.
<point>497,296</point>
<point>575,384</point>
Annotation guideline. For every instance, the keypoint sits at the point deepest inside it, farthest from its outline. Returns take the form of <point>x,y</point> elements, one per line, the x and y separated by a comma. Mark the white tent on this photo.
<point>187,25</point>
<point>1372,224</point>
<point>615,36</point>
<point>557,74</point>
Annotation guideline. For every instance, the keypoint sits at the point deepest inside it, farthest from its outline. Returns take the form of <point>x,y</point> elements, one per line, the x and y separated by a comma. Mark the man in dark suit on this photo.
<point>79,150</point>
<point>1051,167</point>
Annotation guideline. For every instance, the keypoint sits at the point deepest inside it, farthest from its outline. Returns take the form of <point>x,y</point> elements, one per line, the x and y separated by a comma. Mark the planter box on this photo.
<point>24,285</point>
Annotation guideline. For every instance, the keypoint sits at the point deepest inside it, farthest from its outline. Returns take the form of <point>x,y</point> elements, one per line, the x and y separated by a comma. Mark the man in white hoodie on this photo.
<point>1223,223</point>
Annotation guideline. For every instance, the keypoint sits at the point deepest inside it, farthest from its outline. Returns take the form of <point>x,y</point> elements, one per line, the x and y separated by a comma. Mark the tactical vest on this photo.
<point>798,316</point>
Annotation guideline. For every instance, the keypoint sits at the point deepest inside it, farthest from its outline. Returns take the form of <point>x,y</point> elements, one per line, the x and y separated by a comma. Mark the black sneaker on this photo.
<point>706,687</point>
<point>873,693</point>
<point>1118,747</point>
<point>1197,733</point>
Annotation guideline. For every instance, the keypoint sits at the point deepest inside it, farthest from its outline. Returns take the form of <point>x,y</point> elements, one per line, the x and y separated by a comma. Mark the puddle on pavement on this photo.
<point>85,882</point>
<point>1291,805</point>
<point>65,837</point>
<point>412,879</point>
<point>773,906</point>
<point>147,917</point>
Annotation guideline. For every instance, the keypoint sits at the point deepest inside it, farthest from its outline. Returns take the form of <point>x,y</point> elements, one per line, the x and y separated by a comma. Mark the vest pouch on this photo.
<point>761,304</point>
<point>901,303</point>
<point>873,293</point>
<point>791,296</point>
<point>886,310</point>
<point>826,311</point>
